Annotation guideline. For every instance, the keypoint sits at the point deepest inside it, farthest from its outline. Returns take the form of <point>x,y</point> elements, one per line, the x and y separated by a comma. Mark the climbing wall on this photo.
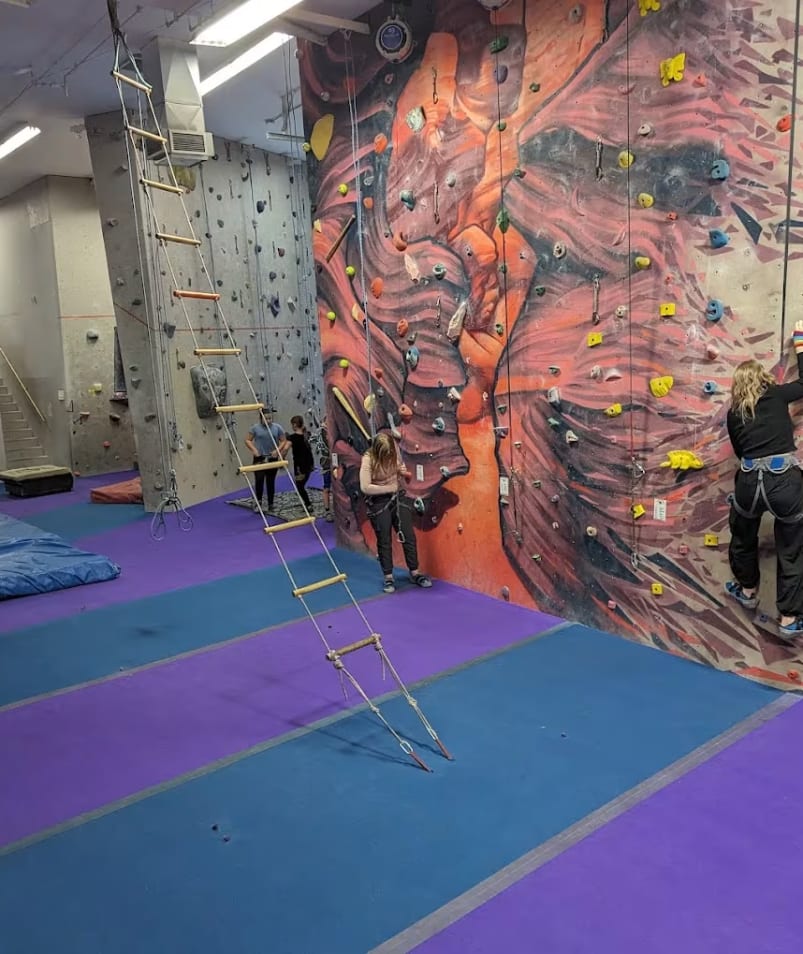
<point>563,225</point>
<point>246,205</point>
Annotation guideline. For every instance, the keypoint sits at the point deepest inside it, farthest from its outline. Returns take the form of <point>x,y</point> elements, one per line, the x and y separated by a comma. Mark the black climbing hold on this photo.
<point>261,206</point>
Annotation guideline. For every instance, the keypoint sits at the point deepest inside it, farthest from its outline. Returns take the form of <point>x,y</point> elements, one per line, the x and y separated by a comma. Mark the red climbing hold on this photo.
<point>784,124</point>
<point>402,327</point>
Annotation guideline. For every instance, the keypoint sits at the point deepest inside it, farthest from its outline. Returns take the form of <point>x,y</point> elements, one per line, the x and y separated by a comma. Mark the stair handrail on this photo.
<point>21,383</point>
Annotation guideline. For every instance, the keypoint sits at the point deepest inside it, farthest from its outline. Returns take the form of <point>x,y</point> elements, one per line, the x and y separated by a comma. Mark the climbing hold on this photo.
<point>380,143</point>
<point>505,593</point>
<point>503,220</point>
<point>794,675</point>
<point>343,189</point>
<point>595,372</point>
<point>412,357</point>
<point>645,200</point>
<point>711,540</point>
<point>439,425</point>
<point>402,327</point>
<point>451,180</point>
<point>683,549</point>
<point>558,250</point>
<point>321,135</point>
<point>411,337</point>
<point>306,147</point>
<point>657,589</point>
<point>553,369</point>
<point>660,387</point>
<point>377,287</point>
<point>519,173</point>
<point>614,410</point>
<point>419,505</point>
<point>369,403</point>
<point>646,6</point>
<point>626,159</point>
<point>445,472</point>
<point>455,328</point>
<point>642,262</point>
<point>351,271</point>
<point>535,87</point>
<point>710,387</point>
<point>671,70</point>
<point>540,290</point>
<point>553,396</point>
<point>500,73</point>
<point>400,242</point>
<point>344,363</point>
<point>611,604</point>
<point>499,43</point>
<point>720,169</point>
<point>645,129</point>
<point>501,125</point>
<point>784,124</point>
<point>714,310</point>
<point>712,352</point>
<point>667,309</point>
<point>460,528</point>
<point>612,374</point>
<point>92,335</point>
<point>594,338</point>
<point>571,437</point>
<point>553,422</point>
<point>499,328</point>
<point>107,444</point>
<point>503,268</point>
<point>439,271</point>
<point>638,511</point>
<point>591,532</point>
<point>416,119</point>
<point>407,199</point>
<point>682,460</point>
<point>405,413</point>
<point>379,374</point>
<point>454,395</point>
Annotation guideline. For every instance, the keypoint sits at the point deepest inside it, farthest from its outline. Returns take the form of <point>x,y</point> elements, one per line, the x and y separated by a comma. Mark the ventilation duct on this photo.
<point>172,69</point>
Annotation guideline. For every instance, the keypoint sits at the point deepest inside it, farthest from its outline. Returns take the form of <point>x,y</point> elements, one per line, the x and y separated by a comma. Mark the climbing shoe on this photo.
<point>421,579</point>
<point>792,630</point>
<point>734,589</point>
<point>388,586</point>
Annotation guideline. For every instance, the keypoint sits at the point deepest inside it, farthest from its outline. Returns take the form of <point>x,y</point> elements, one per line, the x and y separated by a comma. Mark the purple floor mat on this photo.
<point>225,541</point>
<point>709,865</point>
<point>75,752</point>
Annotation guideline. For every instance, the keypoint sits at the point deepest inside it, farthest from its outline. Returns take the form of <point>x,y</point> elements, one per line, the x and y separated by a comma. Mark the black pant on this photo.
<point>263,478</point>
<point>785,494</point>
<point>301,487</point>
<point>389,512</point>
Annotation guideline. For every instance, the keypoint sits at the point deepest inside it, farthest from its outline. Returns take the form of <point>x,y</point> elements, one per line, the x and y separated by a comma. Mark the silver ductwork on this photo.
<point>172,68</point>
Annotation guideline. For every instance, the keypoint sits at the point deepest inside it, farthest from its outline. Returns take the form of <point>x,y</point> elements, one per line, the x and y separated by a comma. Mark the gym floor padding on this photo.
<point>179,771</point>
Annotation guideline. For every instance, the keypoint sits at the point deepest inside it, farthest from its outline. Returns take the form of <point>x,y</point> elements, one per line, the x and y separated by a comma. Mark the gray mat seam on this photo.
<point>218,764</point>
<point>447,915</point>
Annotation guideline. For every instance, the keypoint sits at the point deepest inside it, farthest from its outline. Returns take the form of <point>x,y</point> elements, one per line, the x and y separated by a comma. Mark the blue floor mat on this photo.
<point>86,519</point>
<point>34,561</point>
<point>333,842</point>
<point>70,651</point>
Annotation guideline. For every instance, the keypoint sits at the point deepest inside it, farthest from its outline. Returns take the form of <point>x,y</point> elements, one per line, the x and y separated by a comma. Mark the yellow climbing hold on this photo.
<point>660,387</point>
<point>641,262</point>
<point>594,339</point>
<point>638,511</point>
<point>306,147</point>
<point>667,309</point>
<point>344,363</point>
<point>369,403</point>
<point>672,69</point>
<point>645,200</point>
<point>626,159</point>
<point>317,225</point>
<point>614,410</point>
<point>648,6</point>
<point>321,137</point>
<point>657,588</point>
<point>351,271</point>
<point>331,315</point>
<point>711,540</point>
<point>343,189</point>
<point>682,459</point>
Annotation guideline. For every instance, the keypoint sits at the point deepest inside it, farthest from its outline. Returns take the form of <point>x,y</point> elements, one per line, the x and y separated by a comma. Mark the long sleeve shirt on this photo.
<point>771,432</point>
<point>371,487</point>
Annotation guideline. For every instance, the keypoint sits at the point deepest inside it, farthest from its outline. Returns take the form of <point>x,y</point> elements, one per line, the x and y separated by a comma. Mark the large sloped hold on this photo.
<point>207,400</point>
<point>34,561</point>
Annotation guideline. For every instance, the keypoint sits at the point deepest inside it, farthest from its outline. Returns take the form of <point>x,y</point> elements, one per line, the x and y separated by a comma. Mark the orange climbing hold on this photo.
<point>380,143</point>
<point>377,287</point>
<point>794,675</point>
<point>406,413</point>
<point>402,327</point>
<point>368,202</point>
<point>400,242</point>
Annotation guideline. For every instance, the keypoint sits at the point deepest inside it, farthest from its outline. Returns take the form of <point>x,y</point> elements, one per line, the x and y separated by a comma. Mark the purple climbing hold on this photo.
<point>501,73</point>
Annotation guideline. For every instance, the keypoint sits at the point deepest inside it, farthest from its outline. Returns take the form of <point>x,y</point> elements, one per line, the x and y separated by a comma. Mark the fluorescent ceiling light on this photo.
<point>245,19</point>
<point>17,139</point>
<point>242,62</point>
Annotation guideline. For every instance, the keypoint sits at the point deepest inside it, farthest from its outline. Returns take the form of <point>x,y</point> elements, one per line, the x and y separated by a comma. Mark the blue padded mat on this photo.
<point>35,561</point>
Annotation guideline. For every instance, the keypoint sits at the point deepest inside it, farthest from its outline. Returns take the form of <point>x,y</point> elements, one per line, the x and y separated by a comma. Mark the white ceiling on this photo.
<point>55,58</point>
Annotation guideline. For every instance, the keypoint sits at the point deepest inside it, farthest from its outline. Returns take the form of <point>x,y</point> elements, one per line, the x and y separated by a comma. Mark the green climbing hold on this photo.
<point>499,43</point>
<point>439,271</point>
<point>501,125</point>
<point>553,422</point>
<point>499,328</point>
<point>503,220</point>
<point>535,87</point>
<point>519,173</point>
<point>540,290</point>
<point>503,268</point>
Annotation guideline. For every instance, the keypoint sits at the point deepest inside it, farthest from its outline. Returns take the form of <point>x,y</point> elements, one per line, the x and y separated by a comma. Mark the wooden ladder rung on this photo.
<point>268,465</point>
<point>181,239</point>
<point>234,408</point>
<point>372,640</point>
<point>146,134</point>
<point>145,87</point>
<point>200,352</point>
<point>201,295</point>
<point>290,525</point>
<point>164,186</point>
<point>321,584</point>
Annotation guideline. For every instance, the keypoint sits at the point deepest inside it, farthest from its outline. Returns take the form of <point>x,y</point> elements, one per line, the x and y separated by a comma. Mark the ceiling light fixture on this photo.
<point>242,62</point>
<point>16,139</point>
<point>242,21</point>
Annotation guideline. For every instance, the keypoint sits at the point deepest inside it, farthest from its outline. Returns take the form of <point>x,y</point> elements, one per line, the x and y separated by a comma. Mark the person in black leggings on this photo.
<point>303,461</point>
<point>769,480</point>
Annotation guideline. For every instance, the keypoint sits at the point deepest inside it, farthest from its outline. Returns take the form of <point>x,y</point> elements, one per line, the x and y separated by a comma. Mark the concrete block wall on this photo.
<point>251,211</point>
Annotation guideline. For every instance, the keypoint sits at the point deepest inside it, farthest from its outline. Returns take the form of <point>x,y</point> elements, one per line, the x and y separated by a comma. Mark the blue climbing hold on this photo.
<point>439,425</point>
<point>720,169</point>
<point>710,387</point>
<point>412,357</point>
<point>718,238</point>
<point>714,310</point>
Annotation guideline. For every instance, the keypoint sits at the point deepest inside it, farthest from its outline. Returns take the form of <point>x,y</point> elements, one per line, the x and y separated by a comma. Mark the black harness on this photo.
<point>778,464</point>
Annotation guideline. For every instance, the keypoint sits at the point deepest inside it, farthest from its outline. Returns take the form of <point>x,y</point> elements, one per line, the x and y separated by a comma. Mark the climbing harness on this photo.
<point>143,175</point>
<point>778,464</point>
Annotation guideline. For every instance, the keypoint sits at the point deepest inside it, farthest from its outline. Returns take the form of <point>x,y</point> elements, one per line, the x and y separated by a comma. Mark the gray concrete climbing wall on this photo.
<point>571,222</point>
<point>249,209</point>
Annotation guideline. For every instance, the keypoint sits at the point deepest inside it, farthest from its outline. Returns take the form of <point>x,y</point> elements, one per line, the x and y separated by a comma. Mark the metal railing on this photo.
<point>25,391</point>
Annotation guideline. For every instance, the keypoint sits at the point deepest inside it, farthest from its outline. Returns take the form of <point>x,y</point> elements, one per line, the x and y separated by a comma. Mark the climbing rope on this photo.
<point>170,499</point>
<point>790,185</point>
